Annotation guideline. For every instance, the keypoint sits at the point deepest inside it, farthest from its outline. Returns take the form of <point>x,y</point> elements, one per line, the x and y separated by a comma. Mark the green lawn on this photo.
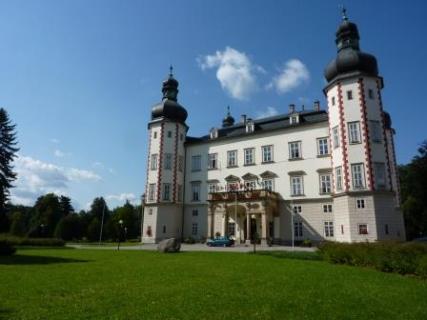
<point>103,284</point>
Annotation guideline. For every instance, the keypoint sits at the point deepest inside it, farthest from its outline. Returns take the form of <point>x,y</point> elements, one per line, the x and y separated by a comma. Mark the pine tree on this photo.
<point>8,152</point>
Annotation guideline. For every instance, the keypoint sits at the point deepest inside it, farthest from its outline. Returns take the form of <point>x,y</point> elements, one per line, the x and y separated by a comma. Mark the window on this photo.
<point>293,119</point>
<point>180,163</point>
<point>386,229</point>
<point>250,185</point>
<point>232,158</point>
<point>335,137</point>
<point>214,133</point>
<point>268,184</point>
<point>358,176</point>
<point>195,212</point>
<point>212,187</point>
<point>196,163</point>
<point>327,208</point>
<point>249,156</point>
<point>295,150</point>
<point>153,162</point>
<point>155,135</point>
<point>166,191</point>
<point>342,229</point>
<point>329,229</point>
<point>181,137</point>
<point>233,186</point>
<point>349,95</point>
<point>298,229</point>
<point>363,229</point>
<point>322,146</point>
<point>231,229</point>
<point>354,132</point>
<point>179,192</point>
<point>169,134</point>
<point>250,126</point>
<point>195,191</point>
<point>151,191</point>
<point>333,101</point>
<point>296,209</point>
<point>325,183</point>
<point>168,161</point>
<point>297,186</point>
<point>360,203</point>
<point>370,94</point>
<point>194,229</point>
<point>338,175</point>
<point>213,161</point>
<point>379,174</point>
<point>375,131</point>
<point>267,154</point>
<point>164,229</point>
<point>150,212</point>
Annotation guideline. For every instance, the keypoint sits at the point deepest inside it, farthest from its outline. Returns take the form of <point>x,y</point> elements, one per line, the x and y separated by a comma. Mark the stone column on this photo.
<point>211,221</point>
<point>248,228</point>
<point>264,228</point>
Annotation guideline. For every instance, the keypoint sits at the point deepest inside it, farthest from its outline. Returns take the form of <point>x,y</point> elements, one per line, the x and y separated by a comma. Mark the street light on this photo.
<point>120,233</point>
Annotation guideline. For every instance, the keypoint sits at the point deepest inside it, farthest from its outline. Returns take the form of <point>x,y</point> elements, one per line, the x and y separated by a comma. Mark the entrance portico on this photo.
<point>245,215</point>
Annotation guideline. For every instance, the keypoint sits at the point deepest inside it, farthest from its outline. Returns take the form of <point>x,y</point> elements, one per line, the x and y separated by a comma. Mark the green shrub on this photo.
<point>422,267</point>
<point>39,242</point>
<point>6,248</point>
<point>403,258</point>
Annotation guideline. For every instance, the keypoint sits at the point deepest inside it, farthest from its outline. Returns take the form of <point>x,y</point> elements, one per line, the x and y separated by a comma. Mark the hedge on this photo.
<point>402,258</point>
<point>39,242</point>
<point>6,248</point>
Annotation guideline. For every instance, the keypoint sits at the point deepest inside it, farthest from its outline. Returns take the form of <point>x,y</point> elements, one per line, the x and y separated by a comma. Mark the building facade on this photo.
<point>306,174</point>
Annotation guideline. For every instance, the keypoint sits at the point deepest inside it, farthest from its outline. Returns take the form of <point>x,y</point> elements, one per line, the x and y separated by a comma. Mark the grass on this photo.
<point>101,284</point>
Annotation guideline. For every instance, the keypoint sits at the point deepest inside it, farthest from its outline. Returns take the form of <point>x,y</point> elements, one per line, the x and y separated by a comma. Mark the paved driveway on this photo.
<point>196,247</point>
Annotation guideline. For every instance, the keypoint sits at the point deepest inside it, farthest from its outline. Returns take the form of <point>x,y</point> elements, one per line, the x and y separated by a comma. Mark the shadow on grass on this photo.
<point>5,313</point>
<point>297,255</point>
<point>28,260</point>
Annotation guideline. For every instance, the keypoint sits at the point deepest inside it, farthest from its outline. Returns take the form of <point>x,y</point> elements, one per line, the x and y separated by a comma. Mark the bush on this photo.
<point>189,240</point>
<point>403,258</point>
<point>6,248</point>
<point>422,267</point>
<point>39,242</point>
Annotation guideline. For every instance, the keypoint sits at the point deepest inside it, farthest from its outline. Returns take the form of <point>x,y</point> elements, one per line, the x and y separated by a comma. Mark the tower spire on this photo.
<point>170,71</point>
<point>344,13</point>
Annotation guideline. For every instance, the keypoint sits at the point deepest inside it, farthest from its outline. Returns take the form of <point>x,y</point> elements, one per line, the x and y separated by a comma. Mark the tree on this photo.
<point>65,206</point>
<point>413,182</point>
<point>93,229</point>
<point>98,211</point>
<point>18,225</point>
<point>47,213</point>
<point>98,208</point>
<point>128,215</point>
<point>8,152</point>
<point>69,227</point>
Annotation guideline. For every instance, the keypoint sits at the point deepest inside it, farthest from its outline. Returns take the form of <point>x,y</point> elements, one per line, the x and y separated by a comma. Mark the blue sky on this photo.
<point>79,77</point>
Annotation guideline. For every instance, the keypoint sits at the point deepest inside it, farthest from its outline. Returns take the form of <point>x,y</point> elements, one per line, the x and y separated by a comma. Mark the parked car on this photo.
<point>220,242</point>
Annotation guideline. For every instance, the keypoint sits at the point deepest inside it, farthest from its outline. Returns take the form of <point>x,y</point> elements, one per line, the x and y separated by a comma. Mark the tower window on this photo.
<point>195,191</point>
<point>194,229</point>
<point>195,212</point>
<point>329,229</point>
<point>327,208</point>
<point>169,134</point>
<point>168,161</point>
<point>386,229</point>
<point>196,163</point>
<point>166,191</point>
<point>333,101</point>
<point>181,137</point>
<point>354,132</point>
<point>357,172</point>
<point>360,203</point>
<point>349,95</point>
<point>151,191</point>
<point>371,94</point>
<point>363,229</point>
<point>153,162</point>
<point>338,176</point>
<point>180,163</point>
<point>379,173</point>
<point>336,137</point>
<point>296,209</point>
<point>155,135</point>
<point>375,130</point>
<point>164,229</point>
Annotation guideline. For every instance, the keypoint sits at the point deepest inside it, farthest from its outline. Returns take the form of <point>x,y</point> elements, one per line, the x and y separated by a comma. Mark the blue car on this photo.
<point>220,242</point>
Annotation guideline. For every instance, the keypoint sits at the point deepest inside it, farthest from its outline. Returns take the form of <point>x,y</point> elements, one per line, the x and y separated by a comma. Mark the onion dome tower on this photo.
<point>228,121</point>
<point>165,166</point>
<point>362,168</point>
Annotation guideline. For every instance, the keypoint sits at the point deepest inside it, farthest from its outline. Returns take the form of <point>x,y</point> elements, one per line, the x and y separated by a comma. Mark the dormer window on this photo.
<point>214,133</point>
<point>294,119</point>
<point>250,126</point>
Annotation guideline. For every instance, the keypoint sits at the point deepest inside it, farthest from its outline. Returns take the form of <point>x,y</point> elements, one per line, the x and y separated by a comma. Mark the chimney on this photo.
<point>291,108</point>
<point>316,105</point>
<point>243,118</point>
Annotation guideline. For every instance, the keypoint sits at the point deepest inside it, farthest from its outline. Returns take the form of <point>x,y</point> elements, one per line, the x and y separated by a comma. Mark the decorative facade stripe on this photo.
<point>343,139</point>
<point>159,172</point>
<point>385,136</point>
<point>365,130</point>
<point>330,145</point>
<point>148,160</point>
<point>175,164</point>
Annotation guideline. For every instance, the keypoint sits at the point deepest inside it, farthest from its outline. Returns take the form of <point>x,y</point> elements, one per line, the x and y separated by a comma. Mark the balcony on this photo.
<point>244,195</point>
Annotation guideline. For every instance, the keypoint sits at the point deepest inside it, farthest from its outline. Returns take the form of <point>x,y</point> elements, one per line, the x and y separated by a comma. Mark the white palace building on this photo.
<point>308,174</point>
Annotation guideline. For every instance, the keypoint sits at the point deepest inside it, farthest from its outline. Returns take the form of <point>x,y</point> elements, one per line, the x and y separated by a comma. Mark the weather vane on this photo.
<point>344,13</point>
<point>170,71</point>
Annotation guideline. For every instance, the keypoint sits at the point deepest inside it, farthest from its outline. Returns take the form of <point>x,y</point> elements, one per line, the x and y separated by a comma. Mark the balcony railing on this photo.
<point>243,195</point>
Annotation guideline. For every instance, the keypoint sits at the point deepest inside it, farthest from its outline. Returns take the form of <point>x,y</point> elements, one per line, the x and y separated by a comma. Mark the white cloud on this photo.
<point>269,112</point>
<point>235,72</point>
<point>293,74</point>
<point>58,153</point>
<point>36,178</point>
<point>131,197</point>
<point>54,140</point>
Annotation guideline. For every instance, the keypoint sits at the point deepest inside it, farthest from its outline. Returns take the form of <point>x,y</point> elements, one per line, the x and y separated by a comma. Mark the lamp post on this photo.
<point>120,233</point>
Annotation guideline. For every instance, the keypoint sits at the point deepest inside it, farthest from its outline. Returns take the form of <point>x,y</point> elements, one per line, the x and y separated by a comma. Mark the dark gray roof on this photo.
<point>265,125</point>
